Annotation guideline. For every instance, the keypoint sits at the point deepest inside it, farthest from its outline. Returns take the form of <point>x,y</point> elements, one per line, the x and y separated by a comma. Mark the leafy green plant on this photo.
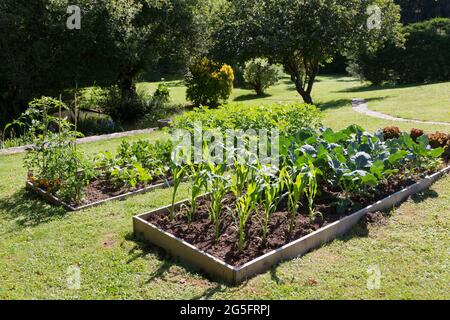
<point>219,186</point>
<point>242,173</point>
<point>286,118</point>
<point>178,176</point>
<point>161,95</point>
<point>245,205</point>
<point>311,189</point>
<point>295,185</point>
<point>137,163</point>
<point>53,162</point>
<point>198,184</point>
<point>272,188</point>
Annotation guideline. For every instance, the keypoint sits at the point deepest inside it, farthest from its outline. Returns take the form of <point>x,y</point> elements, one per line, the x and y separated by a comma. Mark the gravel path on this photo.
<point>360,105</point>
<point>84,140</point>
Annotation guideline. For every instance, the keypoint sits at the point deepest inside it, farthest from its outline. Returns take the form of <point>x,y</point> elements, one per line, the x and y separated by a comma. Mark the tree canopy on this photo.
<point>302,35</point>
<point>118,38</point>
<point>420,10</point>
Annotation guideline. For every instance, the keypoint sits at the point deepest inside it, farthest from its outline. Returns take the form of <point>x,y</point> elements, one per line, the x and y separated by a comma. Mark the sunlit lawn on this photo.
<point>334,93</point>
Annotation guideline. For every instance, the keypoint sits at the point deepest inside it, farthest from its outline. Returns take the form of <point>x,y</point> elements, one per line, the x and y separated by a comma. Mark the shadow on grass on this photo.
<point>369,88</point>
<point>143,248</point>
<point>210,292</point>
<point>28,210</point>
<point>334,104</point>
<point>251,96</point>
<point>341,103</point>
<point>362,228</point>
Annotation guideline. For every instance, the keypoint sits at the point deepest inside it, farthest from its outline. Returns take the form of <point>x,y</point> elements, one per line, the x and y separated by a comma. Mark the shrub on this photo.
<point>423,58</point>
<point>391,133</point>
<point>259,74</point>
<point>126,109</point>
<point>209,82</point>
<point>161,95</point>
<point>93,98</point>
<point>416,133</point>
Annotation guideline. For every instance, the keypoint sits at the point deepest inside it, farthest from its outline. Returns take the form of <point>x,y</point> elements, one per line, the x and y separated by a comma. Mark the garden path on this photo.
<point>22,149</point>
<point>361,106</point>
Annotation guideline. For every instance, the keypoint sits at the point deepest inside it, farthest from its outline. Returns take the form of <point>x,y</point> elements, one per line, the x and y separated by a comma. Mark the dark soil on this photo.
<point>102,189</point>
<point>200,232</point>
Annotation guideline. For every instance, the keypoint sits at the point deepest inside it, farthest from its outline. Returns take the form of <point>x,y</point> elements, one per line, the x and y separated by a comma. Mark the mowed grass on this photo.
<point>333,94</point>
<point>39,243</point>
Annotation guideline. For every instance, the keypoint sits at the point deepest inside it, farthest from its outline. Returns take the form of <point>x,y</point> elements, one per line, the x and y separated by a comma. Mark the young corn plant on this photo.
<point>219,186</point>
<point>178,176</point>
<point>242,172</point>
<point>311,190</point>
<point>272,188</point>
<point>245,205</point>
<point>198,184</point>
<point>295,186</point>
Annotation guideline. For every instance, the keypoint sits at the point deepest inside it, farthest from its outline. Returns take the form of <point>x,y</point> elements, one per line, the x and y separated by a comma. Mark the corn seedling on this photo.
<point>295,188</point>
<point>245,205</point>
<point>178,176</point>
<point>198,183</point>
<point>272,188</point>
<point>220,186</point>
<point>311,189</point>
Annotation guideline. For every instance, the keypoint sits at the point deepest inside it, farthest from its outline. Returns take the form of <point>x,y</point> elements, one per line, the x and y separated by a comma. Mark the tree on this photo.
<point>117,40</point>
<point>420,10</point>
<point>411,63</point>
<point>302,35</point>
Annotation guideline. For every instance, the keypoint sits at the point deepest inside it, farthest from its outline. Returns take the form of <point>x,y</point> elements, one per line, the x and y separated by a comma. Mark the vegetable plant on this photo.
<point>178,176</point>
<point>295,185</point>
<point>198,184</point>
<point>272,187</point>
<point>311,189</point>
<point>245,205</point>
<point>219,186</point>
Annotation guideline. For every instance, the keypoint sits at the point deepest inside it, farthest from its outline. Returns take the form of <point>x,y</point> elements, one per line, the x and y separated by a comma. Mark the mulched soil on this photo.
<point>200,232</point>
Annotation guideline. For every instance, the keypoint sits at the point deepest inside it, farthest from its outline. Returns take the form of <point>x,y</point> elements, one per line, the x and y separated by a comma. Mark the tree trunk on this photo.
<point>127,87</point>
<point>306,96</point>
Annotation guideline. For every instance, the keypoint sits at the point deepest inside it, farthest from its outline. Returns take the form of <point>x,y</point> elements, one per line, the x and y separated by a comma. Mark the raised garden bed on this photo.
<point>97,193</point>
<point>193,245</point>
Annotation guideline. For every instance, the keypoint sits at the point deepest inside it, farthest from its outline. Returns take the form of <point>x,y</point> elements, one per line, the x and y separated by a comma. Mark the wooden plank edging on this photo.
<point>54,200</point>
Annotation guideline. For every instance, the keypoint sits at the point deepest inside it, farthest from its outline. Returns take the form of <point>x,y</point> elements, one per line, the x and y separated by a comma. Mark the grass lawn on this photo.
<point>333,94</point>
<point>40,242</point>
